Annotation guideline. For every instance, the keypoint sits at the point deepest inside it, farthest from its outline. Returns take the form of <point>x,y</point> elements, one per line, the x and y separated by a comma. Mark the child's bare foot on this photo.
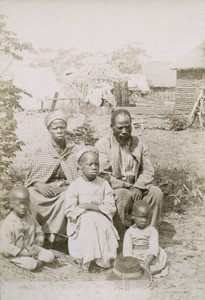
<point>55,264</point>
<point>39,265</point>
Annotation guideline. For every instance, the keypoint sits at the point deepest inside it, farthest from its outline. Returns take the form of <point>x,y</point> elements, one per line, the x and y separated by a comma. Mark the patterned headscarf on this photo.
<point>55,115</point>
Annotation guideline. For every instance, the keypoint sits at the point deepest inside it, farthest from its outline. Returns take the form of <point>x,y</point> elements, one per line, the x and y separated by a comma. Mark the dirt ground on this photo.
<point>182,233</point>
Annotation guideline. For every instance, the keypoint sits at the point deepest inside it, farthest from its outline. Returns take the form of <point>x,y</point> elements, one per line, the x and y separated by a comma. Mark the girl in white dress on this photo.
<point>141,240</point>
<point>90,207</point>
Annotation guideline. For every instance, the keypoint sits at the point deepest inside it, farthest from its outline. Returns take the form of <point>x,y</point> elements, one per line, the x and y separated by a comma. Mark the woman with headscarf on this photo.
<point>52,169</point>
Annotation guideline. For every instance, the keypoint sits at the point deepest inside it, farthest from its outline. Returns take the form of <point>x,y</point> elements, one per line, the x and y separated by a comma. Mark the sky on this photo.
<point>165,29</point>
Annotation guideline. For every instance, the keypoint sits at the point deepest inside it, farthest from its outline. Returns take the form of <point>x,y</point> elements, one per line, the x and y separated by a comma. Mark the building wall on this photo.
<point>164,93</point>
<point>188,89</point>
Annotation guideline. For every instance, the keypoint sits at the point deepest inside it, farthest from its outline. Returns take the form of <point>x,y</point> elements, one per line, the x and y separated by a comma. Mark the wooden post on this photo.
<point>117,94</point>
<point>125,98</point>
<point>198,110</point>
<point>41,105</point>
<point>54,101</point>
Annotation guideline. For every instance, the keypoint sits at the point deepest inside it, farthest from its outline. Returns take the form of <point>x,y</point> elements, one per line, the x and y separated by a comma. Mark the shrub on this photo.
<point>9,97</point>
<point>178,122</point>
<point>84,134</point>
<point>179,188</point>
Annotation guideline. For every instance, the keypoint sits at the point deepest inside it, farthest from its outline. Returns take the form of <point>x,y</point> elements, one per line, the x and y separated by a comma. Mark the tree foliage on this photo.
<point>128,58</point>
<point>9,103</point>
<point>59,60</point>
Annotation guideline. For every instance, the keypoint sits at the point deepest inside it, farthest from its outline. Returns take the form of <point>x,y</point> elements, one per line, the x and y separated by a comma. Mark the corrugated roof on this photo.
<point>159,74</point>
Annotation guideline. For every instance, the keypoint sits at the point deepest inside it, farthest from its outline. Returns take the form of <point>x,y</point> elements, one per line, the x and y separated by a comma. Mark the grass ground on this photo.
<point>179,161</point>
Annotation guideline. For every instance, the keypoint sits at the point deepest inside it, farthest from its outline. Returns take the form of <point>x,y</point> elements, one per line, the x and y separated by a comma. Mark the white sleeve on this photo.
<point>127,244</point>
<point>71,203</point>
<point>108,207</point>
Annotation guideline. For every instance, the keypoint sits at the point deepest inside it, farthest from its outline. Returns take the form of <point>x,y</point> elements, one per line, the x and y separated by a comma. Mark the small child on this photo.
<point>90,207</point>
<point>141,240</point>
<point>21,236</point>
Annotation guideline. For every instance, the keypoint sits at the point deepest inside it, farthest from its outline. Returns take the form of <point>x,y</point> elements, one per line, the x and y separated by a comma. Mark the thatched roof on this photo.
<point>159,74</point>
<point>96,72</point>
<point>70,90</point>
<point>192,61</point>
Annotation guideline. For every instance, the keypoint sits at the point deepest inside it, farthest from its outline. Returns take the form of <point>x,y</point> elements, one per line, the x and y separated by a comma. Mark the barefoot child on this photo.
<point>89,208</point>
<point>21,236</point>
<point>141,240</point>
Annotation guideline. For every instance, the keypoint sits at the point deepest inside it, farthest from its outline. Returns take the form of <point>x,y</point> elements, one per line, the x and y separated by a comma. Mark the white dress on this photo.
<point>92,235</point>
<point>141,243</point>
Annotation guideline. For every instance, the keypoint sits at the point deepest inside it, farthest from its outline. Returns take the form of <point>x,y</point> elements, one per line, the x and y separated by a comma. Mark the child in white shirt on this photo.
<point>141,240</point>
<point>20,234</point>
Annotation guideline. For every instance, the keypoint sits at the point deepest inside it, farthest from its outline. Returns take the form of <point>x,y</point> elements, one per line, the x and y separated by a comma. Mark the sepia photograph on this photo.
<point>102,149</point>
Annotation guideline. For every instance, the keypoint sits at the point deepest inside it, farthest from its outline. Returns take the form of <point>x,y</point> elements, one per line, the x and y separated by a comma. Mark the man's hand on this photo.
<point>39,241</point>
<point>45,189</point>
<point>127,185</point>
<point>136,194</point>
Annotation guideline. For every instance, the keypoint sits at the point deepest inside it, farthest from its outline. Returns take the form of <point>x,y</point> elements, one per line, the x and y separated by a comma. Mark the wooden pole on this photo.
<point>54,101</point>
<point>117,94</point>
<point>125,94</point>
<point>198,111</point>
<point>41,105</point>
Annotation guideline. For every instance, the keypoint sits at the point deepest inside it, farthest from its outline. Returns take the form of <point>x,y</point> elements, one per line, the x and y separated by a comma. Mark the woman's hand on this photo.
<point>45,189</point>
<point>59,189</point>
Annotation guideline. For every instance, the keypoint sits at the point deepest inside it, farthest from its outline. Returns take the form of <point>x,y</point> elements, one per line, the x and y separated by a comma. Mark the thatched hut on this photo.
<point>96,72</point>
<point>190,78</point>
<point>70,90</point>
<point>161,80</point>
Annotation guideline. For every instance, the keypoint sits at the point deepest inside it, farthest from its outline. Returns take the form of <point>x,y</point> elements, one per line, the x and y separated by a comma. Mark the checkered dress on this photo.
<point>44,163</point>
<point>46,160</point>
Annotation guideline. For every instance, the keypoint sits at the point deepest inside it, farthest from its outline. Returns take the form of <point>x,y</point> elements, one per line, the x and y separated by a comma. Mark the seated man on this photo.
<point>125,163</point>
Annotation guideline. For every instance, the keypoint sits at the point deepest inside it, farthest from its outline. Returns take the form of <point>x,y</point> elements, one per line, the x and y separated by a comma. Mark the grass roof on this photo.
<point>95,72</point>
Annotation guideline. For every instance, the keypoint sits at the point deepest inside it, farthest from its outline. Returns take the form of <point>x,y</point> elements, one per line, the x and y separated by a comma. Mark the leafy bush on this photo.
<point>179,188</point>
<point>84,134</point>
<point>178,122</point>
<point>9,97</point>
